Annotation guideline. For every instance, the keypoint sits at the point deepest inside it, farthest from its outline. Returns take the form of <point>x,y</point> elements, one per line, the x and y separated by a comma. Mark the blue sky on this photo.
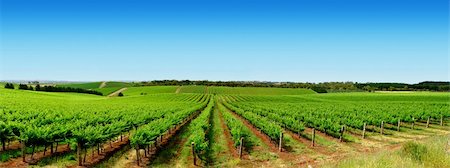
<point>266,40</point>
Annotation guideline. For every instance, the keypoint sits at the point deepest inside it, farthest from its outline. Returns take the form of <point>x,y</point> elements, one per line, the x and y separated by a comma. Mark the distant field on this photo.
<point>364,96</point>
<point>258,91</point>
<point>245,90</point>
<point>118,84</point>
<point>203,89</point>
<point>107,90</point>
<point>89,85</point>
<point>193,89</point>
<point>132,91</point>
<point>95,85</point>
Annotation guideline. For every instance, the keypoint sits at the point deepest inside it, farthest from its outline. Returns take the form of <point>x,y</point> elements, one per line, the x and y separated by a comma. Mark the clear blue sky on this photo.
<point>266,40</point>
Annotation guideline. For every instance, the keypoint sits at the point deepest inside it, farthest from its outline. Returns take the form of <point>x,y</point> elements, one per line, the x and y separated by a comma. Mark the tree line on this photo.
<point>323,87</point>
<point>49,88</point>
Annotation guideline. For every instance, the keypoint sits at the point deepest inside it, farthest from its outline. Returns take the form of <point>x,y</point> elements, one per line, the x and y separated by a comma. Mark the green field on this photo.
<point>133,91</point>
<point>107,90</point>
<point>90,85</point>
<point>118,84</point>
<point>172,118</point>
<point>244,90</point>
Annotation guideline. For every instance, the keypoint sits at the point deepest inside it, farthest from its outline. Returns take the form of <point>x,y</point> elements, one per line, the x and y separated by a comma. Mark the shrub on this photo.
<point>9,86</point>
<point>414,150</point>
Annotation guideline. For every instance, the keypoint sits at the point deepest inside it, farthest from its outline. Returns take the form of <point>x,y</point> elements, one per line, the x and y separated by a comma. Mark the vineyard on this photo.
<point>189,126</point>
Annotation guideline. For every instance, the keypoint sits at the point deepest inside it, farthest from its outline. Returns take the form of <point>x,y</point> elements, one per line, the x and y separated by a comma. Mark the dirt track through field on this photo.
<point>102,85</point>
<point>227,134</point>
<point>178,89</point>
<point>131,162</point>
<point>256,132</point>
<point>116,93</point>
<point>18,163</point>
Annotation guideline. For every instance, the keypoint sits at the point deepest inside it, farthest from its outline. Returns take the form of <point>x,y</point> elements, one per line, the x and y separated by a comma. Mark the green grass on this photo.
<point>218,143</point>
<point>64,160</point>
<point>133,91</point>
<point>88,85</point>
<point>431,153</point>
<point>168,157</point>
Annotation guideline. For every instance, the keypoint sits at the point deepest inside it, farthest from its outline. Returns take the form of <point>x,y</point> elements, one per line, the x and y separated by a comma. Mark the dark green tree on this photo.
<point>9,86</point>
<point>38,87</point>
<point>23,87</point>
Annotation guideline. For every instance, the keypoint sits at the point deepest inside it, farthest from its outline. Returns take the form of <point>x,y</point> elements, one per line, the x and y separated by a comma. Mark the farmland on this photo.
<point>179,126</point>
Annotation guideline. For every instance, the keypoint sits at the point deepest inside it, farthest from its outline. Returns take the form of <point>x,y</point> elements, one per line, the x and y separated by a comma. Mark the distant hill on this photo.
<point>88,85</point>
<point>96,85</point>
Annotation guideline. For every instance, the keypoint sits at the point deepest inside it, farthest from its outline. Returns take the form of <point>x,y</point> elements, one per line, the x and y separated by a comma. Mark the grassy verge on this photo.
<point>433,152</point>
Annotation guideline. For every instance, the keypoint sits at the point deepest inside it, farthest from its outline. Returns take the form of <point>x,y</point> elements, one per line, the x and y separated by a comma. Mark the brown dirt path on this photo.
<point>178,89</point>
<point>102,85</point>
<point>18,163</point>
<point>116,93</point>
<point>227,134</point>
<point>161,144</point>
<point>265,139</point>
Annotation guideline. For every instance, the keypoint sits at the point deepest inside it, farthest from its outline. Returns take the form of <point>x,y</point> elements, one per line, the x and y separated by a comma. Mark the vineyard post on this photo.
<point>341,138</point>
<point>3,145</point>
<point>442,119</point>
<point>149,148</point>
<point>313,136</point>
<point>412,125</point>
<point>85,153</point>
<point>137,154</point>
<point>281,142</point>
<point>240,147</point>
<point>398,125</point>
<point>79,154</point>
<point>428,122</point>
<point>364,131</point>
<point>23,150</point>
<point>382,126</point>
<point>145,152</point>
<point>193,153</point>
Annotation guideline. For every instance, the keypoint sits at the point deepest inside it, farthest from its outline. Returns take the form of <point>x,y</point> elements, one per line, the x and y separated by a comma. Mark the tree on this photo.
<point>23,87</point>
<point>9,86</point>
<point>38,87</point>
